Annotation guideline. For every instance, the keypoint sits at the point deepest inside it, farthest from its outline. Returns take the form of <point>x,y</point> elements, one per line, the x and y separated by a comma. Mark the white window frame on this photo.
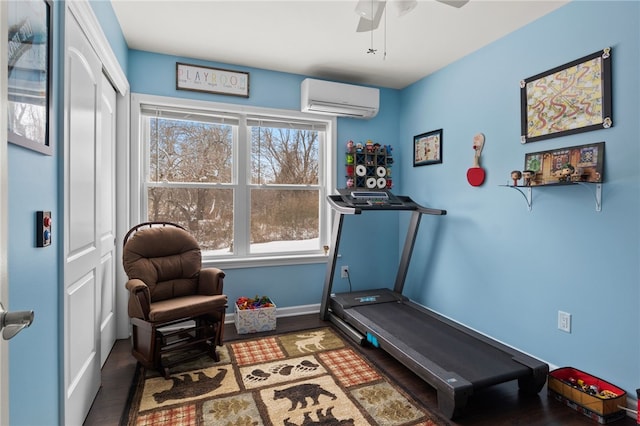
<point>326,175</point>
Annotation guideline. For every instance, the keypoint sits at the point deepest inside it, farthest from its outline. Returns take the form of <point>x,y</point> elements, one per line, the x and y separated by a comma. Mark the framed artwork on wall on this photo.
<point>583,163</point>
<point>29,76</point>
<point>427,148</point>
<point>212,80</point>
<point>572,98</point>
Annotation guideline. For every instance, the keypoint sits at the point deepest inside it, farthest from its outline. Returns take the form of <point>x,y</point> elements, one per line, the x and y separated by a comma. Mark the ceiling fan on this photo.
<point>370,11</point>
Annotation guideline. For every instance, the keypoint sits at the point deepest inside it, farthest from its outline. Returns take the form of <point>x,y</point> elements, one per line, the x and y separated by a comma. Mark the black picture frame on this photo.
<point>427,148</point>
<point>220,81</point>
<point>29,74</point>
<point>571,98</point>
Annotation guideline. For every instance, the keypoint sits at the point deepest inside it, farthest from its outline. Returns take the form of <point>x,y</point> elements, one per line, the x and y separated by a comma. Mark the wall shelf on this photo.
<point>527,191</point>
<point>369,166</point>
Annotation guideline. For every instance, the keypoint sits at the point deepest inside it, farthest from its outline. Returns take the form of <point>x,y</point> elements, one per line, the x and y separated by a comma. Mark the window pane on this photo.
<point>284,220</point>
<point>284,156</point>
<point>189,151</point>
<point>206,213</point>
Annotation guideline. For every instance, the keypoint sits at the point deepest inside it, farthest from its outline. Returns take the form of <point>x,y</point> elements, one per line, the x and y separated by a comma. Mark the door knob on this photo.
<point>11,323</point>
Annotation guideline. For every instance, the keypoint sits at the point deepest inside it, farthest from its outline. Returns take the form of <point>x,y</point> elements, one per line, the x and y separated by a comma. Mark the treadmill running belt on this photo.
<point>451,349</point>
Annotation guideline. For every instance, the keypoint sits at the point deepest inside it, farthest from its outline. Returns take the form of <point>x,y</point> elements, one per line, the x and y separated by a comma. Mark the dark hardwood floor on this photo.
<point>495,406</point>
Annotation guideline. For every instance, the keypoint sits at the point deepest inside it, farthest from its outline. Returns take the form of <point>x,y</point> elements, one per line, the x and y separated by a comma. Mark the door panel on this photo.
<point>107,223</point>
<point>81,330</point>
<point>82,269</point>
<point>107,311</point>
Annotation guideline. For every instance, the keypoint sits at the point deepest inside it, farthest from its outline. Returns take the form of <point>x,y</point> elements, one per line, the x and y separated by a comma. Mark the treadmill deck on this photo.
<point>453,350</point>
<point>452,358</point>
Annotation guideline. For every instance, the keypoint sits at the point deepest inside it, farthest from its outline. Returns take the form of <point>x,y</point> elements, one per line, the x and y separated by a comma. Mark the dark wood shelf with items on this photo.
<point>527,191</point>
<point>575,165</point>
<point>368,166</point>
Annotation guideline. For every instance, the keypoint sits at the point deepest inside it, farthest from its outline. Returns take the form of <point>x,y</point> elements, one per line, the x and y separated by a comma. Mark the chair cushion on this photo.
<point>185,307</point>
<point>167,259</point>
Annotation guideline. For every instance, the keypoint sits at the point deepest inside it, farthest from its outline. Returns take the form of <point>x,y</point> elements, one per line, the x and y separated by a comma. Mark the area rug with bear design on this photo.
<point>306,378</point>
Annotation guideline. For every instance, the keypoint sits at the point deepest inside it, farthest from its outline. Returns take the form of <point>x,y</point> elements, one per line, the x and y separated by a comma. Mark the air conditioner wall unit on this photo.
<point>346,100</point>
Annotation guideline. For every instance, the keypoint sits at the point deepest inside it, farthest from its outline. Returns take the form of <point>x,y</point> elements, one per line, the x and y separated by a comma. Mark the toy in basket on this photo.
<point>587,394</point>
<point>255,314</point>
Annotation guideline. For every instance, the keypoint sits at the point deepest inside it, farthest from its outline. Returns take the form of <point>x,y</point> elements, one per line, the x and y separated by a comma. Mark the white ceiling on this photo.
<point>317,38</point>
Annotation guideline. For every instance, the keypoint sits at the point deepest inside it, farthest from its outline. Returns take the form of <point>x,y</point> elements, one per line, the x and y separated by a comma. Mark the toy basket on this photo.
<point>587,394</point>
<point>256,319</point>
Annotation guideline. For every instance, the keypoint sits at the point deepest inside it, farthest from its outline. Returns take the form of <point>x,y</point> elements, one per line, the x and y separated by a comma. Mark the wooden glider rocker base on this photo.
<point>176,307</point>
<point>165,345</point>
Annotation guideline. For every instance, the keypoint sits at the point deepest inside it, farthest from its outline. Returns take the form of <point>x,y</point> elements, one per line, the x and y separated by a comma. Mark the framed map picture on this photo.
<point>571,98</point>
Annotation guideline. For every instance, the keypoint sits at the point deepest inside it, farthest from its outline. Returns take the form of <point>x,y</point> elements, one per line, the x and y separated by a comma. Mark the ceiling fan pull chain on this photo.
<point>384,55</point>
<point>371,49</point>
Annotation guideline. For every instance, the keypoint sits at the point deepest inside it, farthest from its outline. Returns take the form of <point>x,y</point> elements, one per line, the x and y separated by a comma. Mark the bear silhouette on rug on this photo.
<point>327,419</point>
<point>298,394</point>
<point>186,387</point>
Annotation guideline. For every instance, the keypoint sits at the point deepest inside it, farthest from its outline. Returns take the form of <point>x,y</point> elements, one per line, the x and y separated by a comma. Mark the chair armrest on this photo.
<point>139,299</point>
<point>211,281</point>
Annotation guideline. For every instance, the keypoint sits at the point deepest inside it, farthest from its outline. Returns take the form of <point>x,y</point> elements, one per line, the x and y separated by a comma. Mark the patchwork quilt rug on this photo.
<point>308,378</point>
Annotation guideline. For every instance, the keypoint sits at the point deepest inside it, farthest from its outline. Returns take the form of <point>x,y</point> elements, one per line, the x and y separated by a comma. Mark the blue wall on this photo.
<point>490,263</point>
<point>34,284</point>
<point>154,74</point>
<point>111,29</point>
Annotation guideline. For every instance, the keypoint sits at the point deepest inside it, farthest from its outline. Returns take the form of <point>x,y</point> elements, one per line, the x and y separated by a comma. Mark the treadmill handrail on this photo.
<point>337,203</point>
<point>342,207</point>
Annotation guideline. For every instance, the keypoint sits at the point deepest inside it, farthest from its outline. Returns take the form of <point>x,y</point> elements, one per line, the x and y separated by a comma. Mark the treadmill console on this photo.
<point>368,198</point>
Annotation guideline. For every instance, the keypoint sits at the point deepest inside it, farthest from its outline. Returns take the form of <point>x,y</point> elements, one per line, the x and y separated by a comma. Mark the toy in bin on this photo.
<point>254,315</point>
<point>256,303</point>
<point>587,394</point>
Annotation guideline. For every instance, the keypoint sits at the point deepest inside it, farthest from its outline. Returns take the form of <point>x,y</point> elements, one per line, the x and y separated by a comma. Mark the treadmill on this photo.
<point>452,358</point>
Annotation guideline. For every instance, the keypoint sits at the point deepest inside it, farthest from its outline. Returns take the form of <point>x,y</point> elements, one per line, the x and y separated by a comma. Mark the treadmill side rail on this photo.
<point>539,371</point>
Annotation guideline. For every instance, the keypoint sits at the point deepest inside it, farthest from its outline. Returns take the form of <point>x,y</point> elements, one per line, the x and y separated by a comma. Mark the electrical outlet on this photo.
<point>344,271</point>
<point>564,321</point>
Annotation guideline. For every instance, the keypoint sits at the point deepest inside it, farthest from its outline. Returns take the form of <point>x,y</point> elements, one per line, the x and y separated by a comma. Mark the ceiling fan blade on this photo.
<point>404,6</point>
<point>454,3</point>
<point>366,24</point>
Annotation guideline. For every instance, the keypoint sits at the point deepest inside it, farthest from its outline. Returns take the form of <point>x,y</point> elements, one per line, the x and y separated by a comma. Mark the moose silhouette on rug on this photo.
<point>298,394</point>
<point>185,387</point>
<point>311,339</point>
<point>326,419</point>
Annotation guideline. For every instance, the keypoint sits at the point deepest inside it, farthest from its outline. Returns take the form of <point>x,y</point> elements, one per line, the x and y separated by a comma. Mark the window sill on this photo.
<point>254,262</point>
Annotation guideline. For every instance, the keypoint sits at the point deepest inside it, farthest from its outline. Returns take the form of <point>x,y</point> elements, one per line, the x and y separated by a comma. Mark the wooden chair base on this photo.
<point>188,338</point>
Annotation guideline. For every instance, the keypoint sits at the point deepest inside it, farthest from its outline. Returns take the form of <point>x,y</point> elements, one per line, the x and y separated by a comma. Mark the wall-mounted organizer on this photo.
<point>368,166</point>
<point>527,191</point>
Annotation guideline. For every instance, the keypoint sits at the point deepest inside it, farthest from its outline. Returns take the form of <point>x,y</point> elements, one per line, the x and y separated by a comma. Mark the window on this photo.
<point>250,184</point>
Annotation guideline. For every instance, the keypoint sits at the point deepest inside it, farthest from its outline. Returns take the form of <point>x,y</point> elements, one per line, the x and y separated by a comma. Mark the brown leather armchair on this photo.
<point>174,305</point>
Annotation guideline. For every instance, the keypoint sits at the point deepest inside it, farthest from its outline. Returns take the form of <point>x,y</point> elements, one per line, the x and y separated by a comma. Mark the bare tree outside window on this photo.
<point>185,159</point>
<point>191,175</point>
<point>286,157</point>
